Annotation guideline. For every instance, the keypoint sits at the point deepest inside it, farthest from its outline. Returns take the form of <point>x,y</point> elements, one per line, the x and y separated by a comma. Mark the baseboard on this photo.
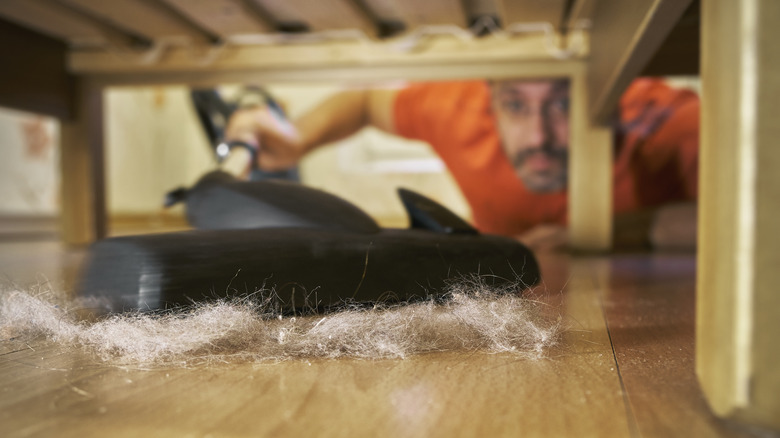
<point>29,227</point>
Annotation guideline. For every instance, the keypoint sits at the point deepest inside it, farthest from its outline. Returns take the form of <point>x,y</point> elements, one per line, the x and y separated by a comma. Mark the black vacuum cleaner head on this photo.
<point>308,263</point>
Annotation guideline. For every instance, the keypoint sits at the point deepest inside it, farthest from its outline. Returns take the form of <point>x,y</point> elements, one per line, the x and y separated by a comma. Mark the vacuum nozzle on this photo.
<point>175,196</point>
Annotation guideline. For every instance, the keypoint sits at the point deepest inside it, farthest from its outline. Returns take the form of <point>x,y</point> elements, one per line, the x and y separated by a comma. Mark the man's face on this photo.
<point>533,121</point>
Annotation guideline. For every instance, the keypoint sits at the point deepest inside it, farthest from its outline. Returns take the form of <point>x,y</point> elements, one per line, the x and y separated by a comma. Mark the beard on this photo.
<point>546,180</point>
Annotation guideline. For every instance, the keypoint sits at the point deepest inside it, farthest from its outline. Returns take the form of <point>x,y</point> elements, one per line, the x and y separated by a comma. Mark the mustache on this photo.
<point>553,153</point>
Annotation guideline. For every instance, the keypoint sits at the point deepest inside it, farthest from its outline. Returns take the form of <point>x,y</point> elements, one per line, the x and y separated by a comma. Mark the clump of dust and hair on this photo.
<point>470,317</point>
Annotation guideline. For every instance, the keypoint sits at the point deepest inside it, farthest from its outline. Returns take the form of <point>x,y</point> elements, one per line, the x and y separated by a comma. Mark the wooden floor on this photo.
<point>624,369</point>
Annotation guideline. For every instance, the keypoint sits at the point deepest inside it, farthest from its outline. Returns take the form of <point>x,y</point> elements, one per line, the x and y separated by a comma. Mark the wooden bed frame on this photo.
<point>739,249</point>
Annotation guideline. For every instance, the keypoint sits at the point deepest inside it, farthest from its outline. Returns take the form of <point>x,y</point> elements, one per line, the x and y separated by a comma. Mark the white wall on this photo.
<point>29,169</point>
<point>153,144</point>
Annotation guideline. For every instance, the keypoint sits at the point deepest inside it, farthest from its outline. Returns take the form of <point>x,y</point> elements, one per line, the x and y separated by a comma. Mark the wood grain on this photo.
<point>737,352</point>
<point>352,75</point>
<point>577,390</point>
<point>590,180</point>
<point>43,264</point>
<point>435,395</point>
<point>650,312</point>
<point>356,54</point>
<point>47,390</point>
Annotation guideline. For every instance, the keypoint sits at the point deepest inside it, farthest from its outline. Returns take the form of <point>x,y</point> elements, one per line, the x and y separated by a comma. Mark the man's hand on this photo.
<point>282,144</point>
<point>277,141</point>
<point>545,237</point>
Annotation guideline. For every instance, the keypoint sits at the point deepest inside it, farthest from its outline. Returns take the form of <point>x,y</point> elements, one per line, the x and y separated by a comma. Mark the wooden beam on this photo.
<point>82,187</point>
<point>222,17</point>
<point>142,17</point>
<point>590,176</point>
<point>531,11</point>
<point>738,316</point>
<point>419,13</point>
<point>321,15</point>
<point>353,75</point>
<point>358,54</point>
<point>624,36</point>
<point>678,55</point>
<point>34,79</point>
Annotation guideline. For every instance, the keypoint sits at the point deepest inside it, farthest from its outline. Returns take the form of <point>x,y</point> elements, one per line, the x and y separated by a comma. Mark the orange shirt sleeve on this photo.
<point>437,112</point>
<point>409,112</point>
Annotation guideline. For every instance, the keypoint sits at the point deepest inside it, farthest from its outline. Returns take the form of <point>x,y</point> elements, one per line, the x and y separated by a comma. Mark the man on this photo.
<point>506,143</point>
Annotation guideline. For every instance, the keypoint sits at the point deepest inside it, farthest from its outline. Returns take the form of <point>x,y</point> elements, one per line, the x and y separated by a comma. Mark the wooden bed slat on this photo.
<point>625,36</point>
<point>321,15</point>
<point>386,10</point>
<point>531,11</point>
<point>432,12</point>
<point>55,20</point>
<point>144,17</point>
<point>222,17</point>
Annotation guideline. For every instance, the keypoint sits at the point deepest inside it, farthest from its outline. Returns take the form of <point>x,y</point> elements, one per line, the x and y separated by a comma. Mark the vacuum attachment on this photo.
<point>221,201</point>
<point>302,248</point>
<point>235,156</point>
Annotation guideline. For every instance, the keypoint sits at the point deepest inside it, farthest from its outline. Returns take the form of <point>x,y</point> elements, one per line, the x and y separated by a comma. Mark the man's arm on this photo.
<point>282,145</point>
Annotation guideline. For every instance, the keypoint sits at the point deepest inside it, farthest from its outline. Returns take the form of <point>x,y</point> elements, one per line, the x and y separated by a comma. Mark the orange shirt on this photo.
<point>656,158</point>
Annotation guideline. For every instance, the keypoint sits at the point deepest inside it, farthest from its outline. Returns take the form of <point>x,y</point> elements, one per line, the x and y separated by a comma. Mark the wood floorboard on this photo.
<point>41,265</point>
<point>47,389</point>
<point>649,305</point>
